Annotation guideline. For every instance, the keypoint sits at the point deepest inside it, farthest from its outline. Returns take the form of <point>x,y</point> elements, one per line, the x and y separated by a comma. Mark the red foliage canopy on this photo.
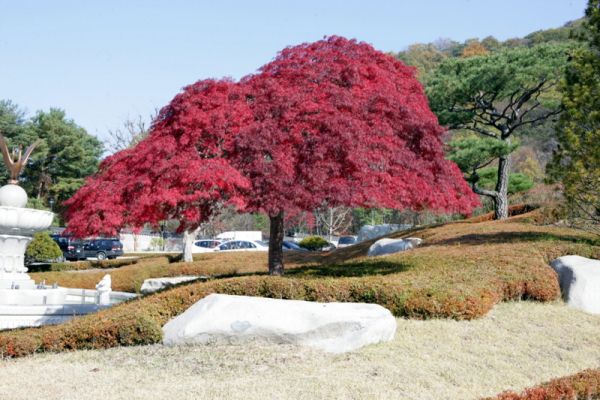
<point>338,122</point>
<point>177,172</point>
<point>333,122</point>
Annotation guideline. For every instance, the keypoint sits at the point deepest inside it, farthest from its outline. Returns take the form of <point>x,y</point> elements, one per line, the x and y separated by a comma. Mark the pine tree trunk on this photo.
<point>188,242</point>
<point>276,245</point>
<point>501,200</point>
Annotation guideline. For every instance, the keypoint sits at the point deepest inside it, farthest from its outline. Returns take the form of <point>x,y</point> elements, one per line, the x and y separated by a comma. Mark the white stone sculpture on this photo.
<point>104,288</point>
<point>579,279</point>
<point>331,327</point>
<point>391,246</point>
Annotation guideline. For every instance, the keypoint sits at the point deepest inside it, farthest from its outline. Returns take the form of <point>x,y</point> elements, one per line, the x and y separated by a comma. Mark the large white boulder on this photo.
<point>391,246</point>
<point>156,284</point>
<point>331,327</point>
<point>579,279</point>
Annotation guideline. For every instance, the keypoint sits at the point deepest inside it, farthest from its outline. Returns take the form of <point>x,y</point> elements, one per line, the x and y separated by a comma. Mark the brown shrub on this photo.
<point>83,265</point>
<point>584,385</point>
<point>513,210</point>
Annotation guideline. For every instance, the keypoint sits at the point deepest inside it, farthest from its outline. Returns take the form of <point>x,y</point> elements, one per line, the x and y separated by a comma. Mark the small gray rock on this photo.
<point>153,285</point>
<point>391,246</point>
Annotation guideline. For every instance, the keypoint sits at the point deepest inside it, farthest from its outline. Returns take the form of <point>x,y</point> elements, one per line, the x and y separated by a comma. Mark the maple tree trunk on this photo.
<point>188,241</point>
<point>501,199</point>
<point>276,245</point>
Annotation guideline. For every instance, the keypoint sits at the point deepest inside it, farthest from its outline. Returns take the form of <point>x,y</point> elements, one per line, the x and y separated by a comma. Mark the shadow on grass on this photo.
<point>355,269</point>
<point>513,237</point>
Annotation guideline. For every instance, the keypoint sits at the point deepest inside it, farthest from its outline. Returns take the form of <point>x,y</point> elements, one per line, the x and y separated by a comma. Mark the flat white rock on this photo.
<point>331,327</point>
<point>391,246</point>
<point>579,279</point>
<point>155,284</point>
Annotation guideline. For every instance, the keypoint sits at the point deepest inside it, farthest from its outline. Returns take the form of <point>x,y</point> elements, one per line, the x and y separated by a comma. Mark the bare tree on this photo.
<point>130,134</point>
<point>334,219</point>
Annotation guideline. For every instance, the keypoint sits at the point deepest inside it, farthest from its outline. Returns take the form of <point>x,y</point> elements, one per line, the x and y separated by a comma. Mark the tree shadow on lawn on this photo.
<point>354,269</point>
<point>514,237</point>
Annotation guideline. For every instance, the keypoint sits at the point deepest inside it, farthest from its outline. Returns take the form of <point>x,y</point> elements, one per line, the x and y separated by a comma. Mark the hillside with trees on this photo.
<point>473,87</point>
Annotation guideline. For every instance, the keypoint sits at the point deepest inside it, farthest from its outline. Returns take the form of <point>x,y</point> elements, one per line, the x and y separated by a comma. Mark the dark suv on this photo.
<point>102,248</point>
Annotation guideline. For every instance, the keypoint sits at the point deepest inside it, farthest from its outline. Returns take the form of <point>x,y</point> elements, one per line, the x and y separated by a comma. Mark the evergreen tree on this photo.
<point>577,160</point>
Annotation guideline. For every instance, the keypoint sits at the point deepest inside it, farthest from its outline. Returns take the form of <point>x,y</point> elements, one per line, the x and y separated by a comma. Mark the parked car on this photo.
<point>101,248</point>
<point>292,246</point>
<point>205,245</point>
<point>63,241</point>
<point>345,241</point>
<point>253,236</point>
<point>242,245</point>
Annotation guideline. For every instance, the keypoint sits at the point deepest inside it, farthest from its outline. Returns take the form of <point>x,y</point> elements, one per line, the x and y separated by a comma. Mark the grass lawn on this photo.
<point>518,344</point>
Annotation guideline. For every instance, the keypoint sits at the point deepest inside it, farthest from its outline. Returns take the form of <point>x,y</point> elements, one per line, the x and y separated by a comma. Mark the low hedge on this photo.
<point>83,265</point>
<point>584,385</point>
<point>129,278</point>
<point>140,321</point>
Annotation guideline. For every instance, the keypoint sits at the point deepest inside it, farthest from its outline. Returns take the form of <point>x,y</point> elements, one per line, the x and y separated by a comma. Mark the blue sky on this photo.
<point>106,61</point>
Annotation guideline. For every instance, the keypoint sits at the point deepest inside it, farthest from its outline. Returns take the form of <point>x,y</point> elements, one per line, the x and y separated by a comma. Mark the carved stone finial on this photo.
<point>15,162</point>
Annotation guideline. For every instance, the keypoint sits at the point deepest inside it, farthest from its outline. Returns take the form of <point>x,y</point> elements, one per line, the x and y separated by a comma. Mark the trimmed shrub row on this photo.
<point>83,265</point>
<point>513,210</point>
<point>129,278</point>
<point>584,385</point>
<point>140,321</point>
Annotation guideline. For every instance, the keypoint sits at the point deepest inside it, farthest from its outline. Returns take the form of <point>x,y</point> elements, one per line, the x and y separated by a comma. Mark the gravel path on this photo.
<point>515,346</point>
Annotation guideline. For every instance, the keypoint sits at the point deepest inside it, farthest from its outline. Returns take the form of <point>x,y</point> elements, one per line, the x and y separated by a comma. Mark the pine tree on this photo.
<point>577,160</point>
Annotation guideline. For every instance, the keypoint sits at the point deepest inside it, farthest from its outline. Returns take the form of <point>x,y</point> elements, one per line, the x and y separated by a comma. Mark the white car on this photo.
<point>242,245</point>
<point>205,245</point>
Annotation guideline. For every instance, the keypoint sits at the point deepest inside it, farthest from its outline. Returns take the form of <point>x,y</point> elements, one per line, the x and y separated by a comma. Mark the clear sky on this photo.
<point>104,61</point>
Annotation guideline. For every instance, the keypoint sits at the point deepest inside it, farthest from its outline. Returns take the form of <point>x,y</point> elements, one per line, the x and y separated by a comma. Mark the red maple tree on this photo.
<point>333,122</point>
<point>340,123</point>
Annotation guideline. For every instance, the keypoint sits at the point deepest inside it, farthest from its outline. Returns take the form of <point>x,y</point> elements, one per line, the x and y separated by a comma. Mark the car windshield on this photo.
<point>346,240</point>
<point>263,243</point>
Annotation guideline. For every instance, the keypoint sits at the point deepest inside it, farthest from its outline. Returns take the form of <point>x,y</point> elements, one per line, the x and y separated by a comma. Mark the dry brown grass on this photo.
<point>515,346</point>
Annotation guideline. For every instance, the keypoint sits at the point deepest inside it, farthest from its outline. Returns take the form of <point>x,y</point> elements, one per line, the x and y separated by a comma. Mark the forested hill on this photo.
<point>427,56</point>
